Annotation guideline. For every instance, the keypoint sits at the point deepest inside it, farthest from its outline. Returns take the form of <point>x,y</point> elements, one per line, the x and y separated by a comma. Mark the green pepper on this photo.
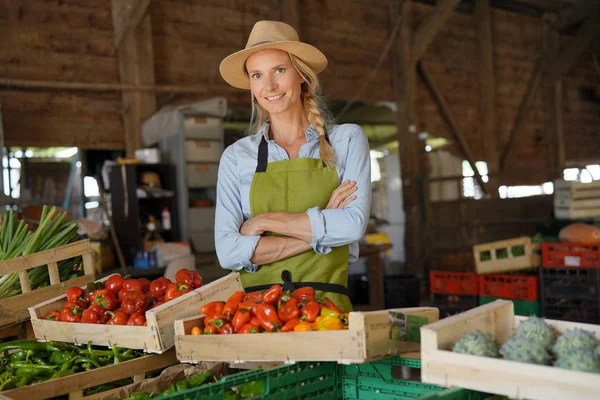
<point>182,385</point>
<point>60,357</point>
<point>251,389</point>
<point>21,364</point>
<point>22,381</point>
<point>231,395</point>
<point>20,355</point>
<point>33,371</point>
<point>200,379</point>
<point>62,373</point>
<point>87,360</point>
<point>140,396</point>
<point>23,345</point>
<point>39,360</point>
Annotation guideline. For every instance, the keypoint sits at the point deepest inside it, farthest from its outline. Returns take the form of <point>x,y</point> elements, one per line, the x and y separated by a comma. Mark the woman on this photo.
<point>293,199</point>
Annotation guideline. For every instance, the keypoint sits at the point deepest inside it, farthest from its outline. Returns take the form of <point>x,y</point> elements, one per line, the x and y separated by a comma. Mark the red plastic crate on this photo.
<point>514,287</point>
<point>569,255</point>
<point>461,283</point>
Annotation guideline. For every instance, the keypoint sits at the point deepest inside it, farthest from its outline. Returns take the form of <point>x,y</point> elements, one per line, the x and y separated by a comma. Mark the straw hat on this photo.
<point>269,35</point>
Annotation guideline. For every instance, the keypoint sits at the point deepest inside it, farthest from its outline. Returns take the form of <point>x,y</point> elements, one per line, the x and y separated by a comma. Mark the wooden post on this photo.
<point>430,27</point>
<point>552,109</point>
<point>487,92</point>
<point>136,66</point>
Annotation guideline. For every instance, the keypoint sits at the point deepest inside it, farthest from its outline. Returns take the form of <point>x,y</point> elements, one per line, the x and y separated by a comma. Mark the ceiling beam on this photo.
<point>444,109</point>
<point>430,27</point>
<point>7,84</point>
<point>127,15</point>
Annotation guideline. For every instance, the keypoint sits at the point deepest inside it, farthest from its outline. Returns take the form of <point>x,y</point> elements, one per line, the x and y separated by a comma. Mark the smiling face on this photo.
<point>274,82</point>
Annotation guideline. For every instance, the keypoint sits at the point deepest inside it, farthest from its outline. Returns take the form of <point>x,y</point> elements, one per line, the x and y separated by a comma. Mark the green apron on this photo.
<point>295,186</point>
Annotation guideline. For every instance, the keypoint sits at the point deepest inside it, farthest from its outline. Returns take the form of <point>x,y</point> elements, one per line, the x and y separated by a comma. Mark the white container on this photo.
<point>148,156</point>
<point>203,128</point>
<point>203,150</point>
<point>202,175</point>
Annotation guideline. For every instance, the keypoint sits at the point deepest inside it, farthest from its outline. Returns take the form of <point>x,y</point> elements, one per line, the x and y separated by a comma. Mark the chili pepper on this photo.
<point>182,385</point>
<point>213,308</point>
<point>53,316</point>
<point>137,319</point>
<point>72,314</point>
<point>246,305</point>
<point>326,311</point>
<point>226,329</point>
<point>134,302</point>
<point>115,283</point>
<point>256,297</point>
<point>87,360</point>
<point>290,325</point>
<point>20,355</point>
<point>248,328</point>
<point>175,290</point>
<point>210,330</point>
<point>32,370</point>
<point>159,286</point>
<point>196,331</point>
<point>145,284</point>
<point>133,285</point>
<point>39,360</point>
<point>272,295</point>
<point>233,303</point>
<point>76,294</point>
<point>240,319</point>
<point>140,396</point>
<point>101,311</point>
<point>288,308</point>
<point>331,305</point>
<point>254,321</point>
<point>310,311</point>
<point>303,326</point>
<point>330,323</point>
<point>252,389</point>
<point>267,316</point>
<point>22,381</point>
<point>117,318</point>
<point>304,293</point>
<point>62,374</point>
<point>200,379</point>
<point>218,322</point>
<point>189,278</point>
<point>106,299</point>
<point>24,364</point>
<point>157,304</point>
<point>90,316</point>
<point>60,357</point>
<point>24,345</point>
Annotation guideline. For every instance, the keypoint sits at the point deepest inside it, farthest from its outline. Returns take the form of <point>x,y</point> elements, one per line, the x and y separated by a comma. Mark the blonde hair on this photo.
<point>314,108</point>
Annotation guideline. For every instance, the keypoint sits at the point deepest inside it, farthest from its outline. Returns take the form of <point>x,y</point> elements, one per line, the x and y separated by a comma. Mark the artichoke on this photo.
<point>537,330</point>
<point>477,344</point>
<point>519,348</point>
<point>575,339</point>
<point>579,360</point>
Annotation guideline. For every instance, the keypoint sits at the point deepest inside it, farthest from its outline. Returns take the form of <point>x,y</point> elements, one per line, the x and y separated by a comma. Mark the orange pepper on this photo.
<point>196,331</point>
<point>303,327</point>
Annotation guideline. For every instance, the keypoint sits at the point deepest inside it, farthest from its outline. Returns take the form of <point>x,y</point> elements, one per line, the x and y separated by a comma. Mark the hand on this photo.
<point>252,227</point>
<point>342,195</point>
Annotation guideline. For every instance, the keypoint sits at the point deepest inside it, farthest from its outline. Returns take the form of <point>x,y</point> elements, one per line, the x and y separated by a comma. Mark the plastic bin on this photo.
<point>522,307</point>
<point>569,255</point>
<point>461,283</point>
<point>517,287</point>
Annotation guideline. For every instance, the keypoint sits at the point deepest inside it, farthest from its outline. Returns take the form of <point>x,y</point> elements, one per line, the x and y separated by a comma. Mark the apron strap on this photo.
<point>263,154</point>
<point>288,285</point>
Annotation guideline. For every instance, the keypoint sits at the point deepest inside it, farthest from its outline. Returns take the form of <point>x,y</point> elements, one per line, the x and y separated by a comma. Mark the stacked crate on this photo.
<point>570,280</point>
<point>522,290</point>
<point>453,292</point>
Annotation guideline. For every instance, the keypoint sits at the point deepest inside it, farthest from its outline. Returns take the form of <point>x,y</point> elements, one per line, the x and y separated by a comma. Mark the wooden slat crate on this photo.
<point>14,309</point>
<point>441,366</point>
<point>530,259</point>
<point>366,339</point>
<point>576,200</point>
<point>73,385</point>
<point>157,337</point>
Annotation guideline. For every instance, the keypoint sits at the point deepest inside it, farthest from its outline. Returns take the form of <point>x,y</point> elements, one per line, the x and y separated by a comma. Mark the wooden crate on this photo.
<point>530,259</point>
<point>14,309</point>
<point>441,366</point>
<point>576,200</point>
<point>157,337</point>
<point>366,339</point>
<point>73,385</point>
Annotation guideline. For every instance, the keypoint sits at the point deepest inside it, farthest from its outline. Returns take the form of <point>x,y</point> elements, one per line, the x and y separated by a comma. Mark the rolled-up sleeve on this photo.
<point>338,227</point>
<point>234,250</point>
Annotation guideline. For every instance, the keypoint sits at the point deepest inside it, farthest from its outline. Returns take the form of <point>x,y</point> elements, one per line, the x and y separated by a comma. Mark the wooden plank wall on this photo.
<point>72,40</point>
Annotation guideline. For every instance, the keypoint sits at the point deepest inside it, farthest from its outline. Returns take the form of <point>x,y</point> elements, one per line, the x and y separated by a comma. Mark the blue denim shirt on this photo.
<point>330,227</point>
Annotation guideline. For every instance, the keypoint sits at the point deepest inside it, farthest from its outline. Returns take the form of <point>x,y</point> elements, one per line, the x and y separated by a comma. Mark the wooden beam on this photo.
<point>534,82</point>
<point>579,11</point>
<point>431,26</point>
<point>574,47</point>
<point>444,108</point>
<point>487,91</point>
<point>290,14</point>
<point>98,87</point>
<point>552,104</point>
<point>127,15</point>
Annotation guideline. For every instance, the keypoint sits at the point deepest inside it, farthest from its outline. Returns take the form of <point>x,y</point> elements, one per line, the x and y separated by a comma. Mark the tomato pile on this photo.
<point>271,311</point>
<point>121,301</point>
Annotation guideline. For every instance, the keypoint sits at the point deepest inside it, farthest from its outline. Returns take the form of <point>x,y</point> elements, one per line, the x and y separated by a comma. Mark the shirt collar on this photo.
<point>311,132</point>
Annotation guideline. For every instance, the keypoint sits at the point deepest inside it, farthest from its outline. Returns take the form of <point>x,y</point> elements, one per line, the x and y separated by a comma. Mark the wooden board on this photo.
<point>531,258</point>
<point>157,337</point>
<point>74,384</point>
<point>367,339</point>
<point>14,309</point>
<point>440,366</point>
<point>576,200</point>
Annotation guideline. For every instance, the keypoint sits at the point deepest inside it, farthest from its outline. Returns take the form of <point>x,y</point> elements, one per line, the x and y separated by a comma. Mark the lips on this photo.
<point>276,97</point>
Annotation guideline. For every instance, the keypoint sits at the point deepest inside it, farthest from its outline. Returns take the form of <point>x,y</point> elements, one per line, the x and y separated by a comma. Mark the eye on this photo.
<point>280,70</point>
<point>256,76</point>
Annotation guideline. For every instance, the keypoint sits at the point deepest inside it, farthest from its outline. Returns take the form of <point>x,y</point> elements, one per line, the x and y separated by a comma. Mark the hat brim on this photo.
<point>233,67</point>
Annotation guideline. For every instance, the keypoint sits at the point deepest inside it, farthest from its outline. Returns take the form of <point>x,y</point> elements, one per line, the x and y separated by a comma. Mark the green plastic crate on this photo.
<point>315,380</point>
<point>455,394</point>
<point>522,307</point>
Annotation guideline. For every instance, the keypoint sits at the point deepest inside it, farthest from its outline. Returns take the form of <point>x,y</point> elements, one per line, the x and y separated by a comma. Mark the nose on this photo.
<point>271,83</point>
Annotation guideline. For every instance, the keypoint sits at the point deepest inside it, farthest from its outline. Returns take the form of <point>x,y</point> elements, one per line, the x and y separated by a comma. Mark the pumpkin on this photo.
<point>580,233</point>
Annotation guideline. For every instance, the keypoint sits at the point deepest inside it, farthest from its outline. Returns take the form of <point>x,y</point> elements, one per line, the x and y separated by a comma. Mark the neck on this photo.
<point>289,126</point>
